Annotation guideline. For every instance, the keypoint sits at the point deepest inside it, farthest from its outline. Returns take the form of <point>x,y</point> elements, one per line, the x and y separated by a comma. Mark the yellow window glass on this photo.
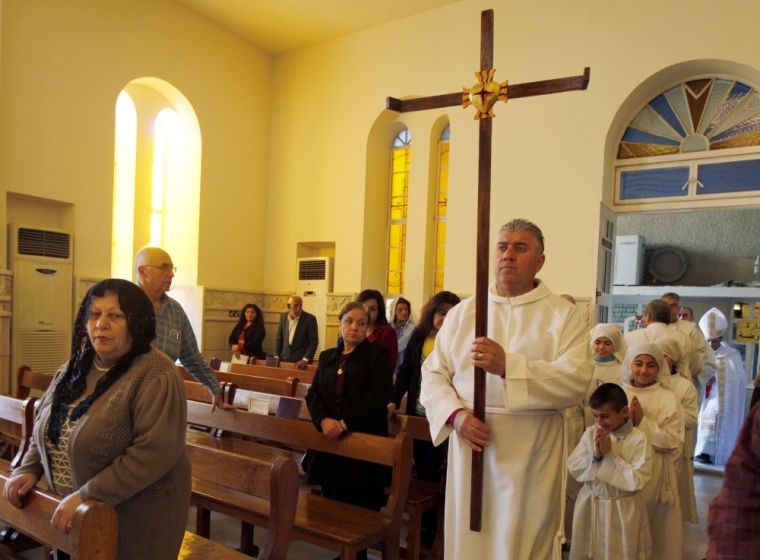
<point>397,212</point>
<point>441,210</point>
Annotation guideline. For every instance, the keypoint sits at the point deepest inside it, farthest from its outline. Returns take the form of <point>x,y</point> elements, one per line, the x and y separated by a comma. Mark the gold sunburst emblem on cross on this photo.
<point>485,94</point>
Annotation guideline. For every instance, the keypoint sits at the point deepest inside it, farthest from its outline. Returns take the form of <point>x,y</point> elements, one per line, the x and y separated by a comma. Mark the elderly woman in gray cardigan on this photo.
<point>112,427</point>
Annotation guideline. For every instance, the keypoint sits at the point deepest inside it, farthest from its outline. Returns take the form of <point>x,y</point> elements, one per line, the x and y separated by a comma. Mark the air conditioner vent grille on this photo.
<point>43,243</point>
<point>44,351</point>
<point>312,270</point>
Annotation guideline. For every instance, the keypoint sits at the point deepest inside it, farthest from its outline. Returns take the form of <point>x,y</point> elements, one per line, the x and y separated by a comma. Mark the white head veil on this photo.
<point>663,375</point>
<point>611,331</point>
<point>671,349</point>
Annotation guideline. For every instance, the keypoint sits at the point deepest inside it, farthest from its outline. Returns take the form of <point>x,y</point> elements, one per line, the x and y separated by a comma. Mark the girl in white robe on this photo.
<point>609,348</point>
<point>644,375</point>
<point>688,398</point>
<point>610,519</point>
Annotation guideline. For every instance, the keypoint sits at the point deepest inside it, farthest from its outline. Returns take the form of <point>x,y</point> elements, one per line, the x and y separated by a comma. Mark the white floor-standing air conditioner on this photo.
<point>43,266</point>
<point>315,281</point>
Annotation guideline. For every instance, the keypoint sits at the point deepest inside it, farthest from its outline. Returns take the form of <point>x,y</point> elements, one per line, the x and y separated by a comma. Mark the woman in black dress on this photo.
<point>350,391</point>
<point>249,333</point>
<point>428,460</point>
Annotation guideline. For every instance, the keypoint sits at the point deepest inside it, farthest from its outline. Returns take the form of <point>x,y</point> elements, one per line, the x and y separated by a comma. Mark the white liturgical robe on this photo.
<point>687,396</point>
<point>703,350</point>
<point>548,369</point>
<point>611,520</point>
<point>722,414</point>
<point>664,427</point>
<point>688,362</point>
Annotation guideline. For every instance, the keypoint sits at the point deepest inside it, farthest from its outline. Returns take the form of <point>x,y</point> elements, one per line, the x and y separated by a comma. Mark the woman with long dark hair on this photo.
<point>378,329</point>
<point>111,427</point>
<point>428,460</point>
<point>249,333</point>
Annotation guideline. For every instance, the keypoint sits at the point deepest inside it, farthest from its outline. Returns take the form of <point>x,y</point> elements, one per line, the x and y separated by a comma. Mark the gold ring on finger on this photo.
<point>480,356</point>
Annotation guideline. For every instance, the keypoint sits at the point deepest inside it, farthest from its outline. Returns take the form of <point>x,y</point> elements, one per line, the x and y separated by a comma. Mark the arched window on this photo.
<point>441,204</point>
<point>156,177</point>
<point>165,133</point>
<point>696,144</point>
<point>397,212</point>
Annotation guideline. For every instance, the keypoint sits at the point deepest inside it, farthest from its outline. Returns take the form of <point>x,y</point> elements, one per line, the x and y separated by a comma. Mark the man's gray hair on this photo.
<point>659,311</point>
<point>672,295</point>
<point>521,224</point>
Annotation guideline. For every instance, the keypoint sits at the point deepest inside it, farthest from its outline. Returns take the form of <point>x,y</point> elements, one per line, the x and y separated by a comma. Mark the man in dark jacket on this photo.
<point>297,336</point>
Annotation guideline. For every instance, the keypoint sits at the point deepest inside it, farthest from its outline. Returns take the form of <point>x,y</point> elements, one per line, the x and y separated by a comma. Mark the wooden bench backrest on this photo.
<point>19,412</point>
<point>396,452</point>
<point>268,475</point>
<point>311,368</point>
<point>276,406</point>
<point>28,379</point>
<point>274,373</point>
<point>284,387</point>
<point>301,390</point>
<point>416,426</point>
<point>94,529</point>
<point>197,392</point>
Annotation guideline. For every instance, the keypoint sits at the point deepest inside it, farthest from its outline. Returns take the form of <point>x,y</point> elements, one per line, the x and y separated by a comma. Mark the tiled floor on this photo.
<point>227,531</point>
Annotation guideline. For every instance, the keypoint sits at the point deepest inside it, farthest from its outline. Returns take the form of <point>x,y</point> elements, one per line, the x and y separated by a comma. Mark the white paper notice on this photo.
<point>259,406</point>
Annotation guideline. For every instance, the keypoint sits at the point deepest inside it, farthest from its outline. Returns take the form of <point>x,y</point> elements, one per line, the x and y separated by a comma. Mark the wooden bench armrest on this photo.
<point>94,529</point>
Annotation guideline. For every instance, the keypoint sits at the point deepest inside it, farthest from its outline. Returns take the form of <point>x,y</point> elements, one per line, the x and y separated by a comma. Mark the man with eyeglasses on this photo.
<point>174,334</point>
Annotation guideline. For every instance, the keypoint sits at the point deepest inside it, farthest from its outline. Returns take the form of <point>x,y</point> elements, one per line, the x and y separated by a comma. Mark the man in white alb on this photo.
<point>538,356</point>
<point>656,320</point>
<point>705,353</point>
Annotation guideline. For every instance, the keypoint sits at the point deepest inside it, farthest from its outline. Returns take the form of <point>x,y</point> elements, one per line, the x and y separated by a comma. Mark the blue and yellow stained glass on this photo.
<point>695,116</point>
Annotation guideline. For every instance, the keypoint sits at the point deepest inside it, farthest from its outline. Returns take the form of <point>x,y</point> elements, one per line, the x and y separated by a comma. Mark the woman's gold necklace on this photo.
<point>340,367</point>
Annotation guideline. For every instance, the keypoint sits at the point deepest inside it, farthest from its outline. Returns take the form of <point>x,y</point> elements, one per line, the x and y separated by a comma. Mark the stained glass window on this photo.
<point>441,205</point>
<point>397,212</point>
<point>696,116</point>
<point>693,123</point>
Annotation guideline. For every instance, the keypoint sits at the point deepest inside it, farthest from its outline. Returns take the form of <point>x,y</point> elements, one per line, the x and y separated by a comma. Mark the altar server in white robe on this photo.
<point>656,412</point>
<point>691,329</point>
<point>614,462</point>
<point>609,348</point>
<point>656,320</point>
<point>722,413</point>
<point>687,396</point>
<point>537,354</point>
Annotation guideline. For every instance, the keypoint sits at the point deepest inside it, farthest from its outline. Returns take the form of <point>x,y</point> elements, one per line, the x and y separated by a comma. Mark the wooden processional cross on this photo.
<point>483,96</point>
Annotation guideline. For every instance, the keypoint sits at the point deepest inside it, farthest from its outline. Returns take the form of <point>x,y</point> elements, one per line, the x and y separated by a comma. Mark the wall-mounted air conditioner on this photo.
<point>42,262</point>
<point>314,282</point>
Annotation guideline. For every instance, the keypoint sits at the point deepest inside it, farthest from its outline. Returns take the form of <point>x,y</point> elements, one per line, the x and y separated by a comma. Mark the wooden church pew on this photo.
<point>423,495</point>
<point>304,376</point>
<point>285,386</point>
<point>222,479</point>
<point>26,380</point>
<point>93,533</point>
<point>320,521</point>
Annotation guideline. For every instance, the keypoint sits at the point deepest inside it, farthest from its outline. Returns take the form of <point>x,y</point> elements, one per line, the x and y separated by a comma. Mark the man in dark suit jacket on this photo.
<point>300,345</point>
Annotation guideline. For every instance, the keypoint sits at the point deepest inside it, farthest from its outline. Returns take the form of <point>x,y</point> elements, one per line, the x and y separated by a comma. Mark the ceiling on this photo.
<point>279,26</point>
